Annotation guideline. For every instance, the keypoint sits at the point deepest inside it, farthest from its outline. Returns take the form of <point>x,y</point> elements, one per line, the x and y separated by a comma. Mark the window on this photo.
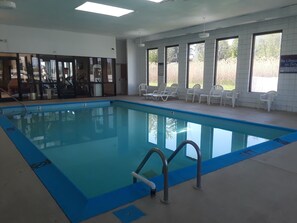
<point>171,65</point>
<point>193,134</point>
<point>152,128</point>
<point>265,62</point>
<point>195,64</point>
<point>226,62</point>
<point>222,142</point>
<point>171,134</point>
<point>109,70</point>
<point>254,140</point>
<point>152,67</point>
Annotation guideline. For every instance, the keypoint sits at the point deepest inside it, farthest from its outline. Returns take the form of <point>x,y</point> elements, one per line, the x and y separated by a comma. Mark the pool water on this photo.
<point>97,148</point>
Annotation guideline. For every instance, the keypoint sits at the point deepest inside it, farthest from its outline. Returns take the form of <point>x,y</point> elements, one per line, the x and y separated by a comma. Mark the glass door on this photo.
<point>48,71</point>
<point>66,78</point>
<point>82,77</point>
<point>109,77</point>
<point>30,81</point>
<point>96,77</point>
<point>9,81</point>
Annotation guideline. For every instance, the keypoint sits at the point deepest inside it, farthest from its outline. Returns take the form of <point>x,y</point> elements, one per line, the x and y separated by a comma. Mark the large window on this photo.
<point>152,67</point>
<point>265,62</point>
<point>171,65</point>
<point>195,64</point>
<point>226,62</point>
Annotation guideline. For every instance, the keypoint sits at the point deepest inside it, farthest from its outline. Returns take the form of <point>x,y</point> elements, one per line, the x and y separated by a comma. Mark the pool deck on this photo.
<point>261,189</point>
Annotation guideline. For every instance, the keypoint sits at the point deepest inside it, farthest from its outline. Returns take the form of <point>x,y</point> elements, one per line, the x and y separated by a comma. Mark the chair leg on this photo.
<point>193,98</point>
<point>258,105</point>
<point>268,106</point>
<point>208,100</point>
<point>233,102</point>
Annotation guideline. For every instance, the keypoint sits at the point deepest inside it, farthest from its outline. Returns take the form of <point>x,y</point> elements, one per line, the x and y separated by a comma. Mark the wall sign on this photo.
<point>288,64</point>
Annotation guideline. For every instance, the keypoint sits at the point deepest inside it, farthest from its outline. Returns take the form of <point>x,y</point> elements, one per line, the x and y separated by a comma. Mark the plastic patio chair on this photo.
<point>216,92</point>
<point>194,91</point>
<point>169,92</point>
<point>142,89</point>
<point>267,98</point>
<point>232,95</point>
<point>161,88</point>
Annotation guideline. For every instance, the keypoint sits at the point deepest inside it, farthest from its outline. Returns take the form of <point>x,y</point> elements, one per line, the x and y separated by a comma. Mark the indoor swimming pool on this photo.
<point>84,153</point>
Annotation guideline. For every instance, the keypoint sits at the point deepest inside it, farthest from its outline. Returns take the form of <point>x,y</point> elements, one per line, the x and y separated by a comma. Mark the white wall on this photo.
<point>44,41</point>
<point>287,85</point>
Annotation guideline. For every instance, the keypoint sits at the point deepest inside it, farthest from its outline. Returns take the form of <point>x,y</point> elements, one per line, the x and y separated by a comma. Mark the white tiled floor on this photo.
<point>261,189</point>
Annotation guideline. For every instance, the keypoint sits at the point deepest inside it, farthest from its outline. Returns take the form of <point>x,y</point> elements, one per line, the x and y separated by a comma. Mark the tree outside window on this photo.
<point>226,62</point>
<point>172,65</point>
<point>265,62</point>
<point>195,64</point>
<point>152,67</point>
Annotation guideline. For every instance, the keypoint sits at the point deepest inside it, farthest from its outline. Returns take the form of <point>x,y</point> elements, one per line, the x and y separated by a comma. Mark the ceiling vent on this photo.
<point>7,5</point>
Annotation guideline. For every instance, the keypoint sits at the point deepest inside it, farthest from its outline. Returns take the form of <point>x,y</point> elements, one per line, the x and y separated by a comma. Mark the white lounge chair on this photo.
<point>194,91</point>
<point>231,95</point>
<point>267,98</point>
<point>142,89</point>
<point>161,88</point>
<point>216,92</point>
<point>169,92</point>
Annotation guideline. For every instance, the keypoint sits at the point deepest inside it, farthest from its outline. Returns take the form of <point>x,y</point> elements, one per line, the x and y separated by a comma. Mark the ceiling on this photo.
<point>148,18</point>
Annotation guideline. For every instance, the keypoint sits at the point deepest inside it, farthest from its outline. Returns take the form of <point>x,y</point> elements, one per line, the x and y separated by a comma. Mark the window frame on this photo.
<point>165,59</point>
<point>147,64</point>
<point>216,58</point>
<point>252,55</point>
<point>188,61</point>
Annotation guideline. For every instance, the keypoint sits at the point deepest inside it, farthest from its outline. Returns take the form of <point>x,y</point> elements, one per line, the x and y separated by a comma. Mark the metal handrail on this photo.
<point>199,159</point>
<point>164,170</point>
<point>14,98</point>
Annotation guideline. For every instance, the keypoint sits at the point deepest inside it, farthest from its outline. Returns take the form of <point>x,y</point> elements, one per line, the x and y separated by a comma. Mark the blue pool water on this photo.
<point>97,146</point>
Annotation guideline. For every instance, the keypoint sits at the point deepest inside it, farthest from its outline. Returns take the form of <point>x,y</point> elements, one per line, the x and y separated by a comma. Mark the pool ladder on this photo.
<point>166,162</point>
<point>14,98</point>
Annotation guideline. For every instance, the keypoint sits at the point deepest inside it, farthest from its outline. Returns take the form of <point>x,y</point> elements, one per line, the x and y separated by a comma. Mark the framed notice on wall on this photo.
<point>288,64</point>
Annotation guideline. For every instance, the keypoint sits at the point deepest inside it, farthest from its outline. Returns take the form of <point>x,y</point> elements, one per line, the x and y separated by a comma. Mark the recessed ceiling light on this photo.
<point>103,9</point>
<point>157,1</point>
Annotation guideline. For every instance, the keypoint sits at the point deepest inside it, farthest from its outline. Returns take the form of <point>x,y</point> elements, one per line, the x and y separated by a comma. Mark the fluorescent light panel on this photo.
<point>157,1</point>
<point>103,9</point>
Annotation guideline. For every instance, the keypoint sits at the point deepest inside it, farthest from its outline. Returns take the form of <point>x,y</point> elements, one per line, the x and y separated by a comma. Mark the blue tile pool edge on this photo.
<point>77,207</point>
<point>64,192</point>
<point>114,199</point>
<point>107,102</point>
<point>70,199</point>
<point>206,115</point>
